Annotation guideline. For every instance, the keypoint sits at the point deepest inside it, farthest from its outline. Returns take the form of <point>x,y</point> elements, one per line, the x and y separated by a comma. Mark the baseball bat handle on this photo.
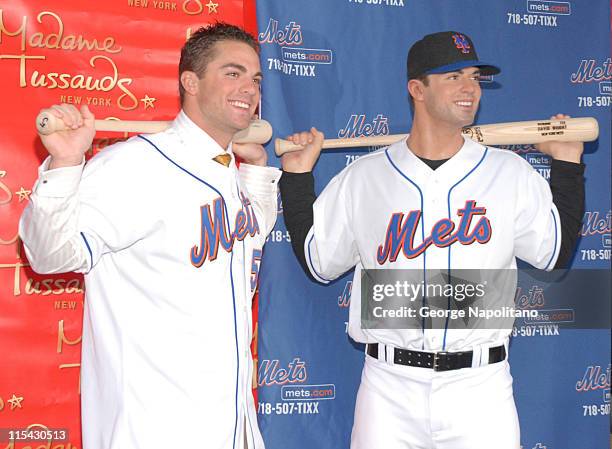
<point>259,131</point>
<point>581,129</point>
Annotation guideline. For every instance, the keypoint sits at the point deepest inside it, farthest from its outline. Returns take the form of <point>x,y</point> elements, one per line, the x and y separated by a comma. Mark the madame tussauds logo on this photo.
<point>105,79</point>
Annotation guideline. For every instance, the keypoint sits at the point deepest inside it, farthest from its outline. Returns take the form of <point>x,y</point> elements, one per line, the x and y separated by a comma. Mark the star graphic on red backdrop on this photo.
<point>148,101</point>
<point>15,401</point>
<point>23,194</point>
<point>212,7</point>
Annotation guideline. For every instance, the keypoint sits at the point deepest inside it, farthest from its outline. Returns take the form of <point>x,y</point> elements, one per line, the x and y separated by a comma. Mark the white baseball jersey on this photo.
<point>390,210</point>
<point>170,243</point>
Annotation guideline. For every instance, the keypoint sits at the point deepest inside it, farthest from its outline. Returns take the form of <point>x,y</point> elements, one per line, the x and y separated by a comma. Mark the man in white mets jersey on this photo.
<point>434,201</point>
<point>170,238</point>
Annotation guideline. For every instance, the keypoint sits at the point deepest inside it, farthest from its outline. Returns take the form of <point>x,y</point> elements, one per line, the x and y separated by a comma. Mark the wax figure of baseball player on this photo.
<point>169,237</point>
<point>434,388</point>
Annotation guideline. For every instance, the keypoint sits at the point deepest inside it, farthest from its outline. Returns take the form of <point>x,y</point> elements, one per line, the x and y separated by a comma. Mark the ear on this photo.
<point>189,81</point>
<point>416,88</point>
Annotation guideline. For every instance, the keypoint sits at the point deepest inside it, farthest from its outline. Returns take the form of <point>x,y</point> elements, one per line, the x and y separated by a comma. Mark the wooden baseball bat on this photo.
<point>259,131</point>
<point>582,129</point>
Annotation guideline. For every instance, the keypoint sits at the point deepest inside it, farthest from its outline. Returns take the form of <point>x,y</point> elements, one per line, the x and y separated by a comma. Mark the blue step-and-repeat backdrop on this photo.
<point>341,66</point>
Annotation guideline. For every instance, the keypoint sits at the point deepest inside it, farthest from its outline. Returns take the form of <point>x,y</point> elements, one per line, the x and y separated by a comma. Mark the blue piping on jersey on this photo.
<point>555,245</point>
<point>236,340</point>
<point>246,412</point>
<point>311,265</point>
<point>422,238</point>
<point>88,249</point>
<point>231,276</point>
<point>449,248</point>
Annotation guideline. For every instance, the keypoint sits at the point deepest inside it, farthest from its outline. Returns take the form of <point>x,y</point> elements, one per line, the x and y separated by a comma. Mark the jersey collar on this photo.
<point>196,139</point>
<point>452,171</point>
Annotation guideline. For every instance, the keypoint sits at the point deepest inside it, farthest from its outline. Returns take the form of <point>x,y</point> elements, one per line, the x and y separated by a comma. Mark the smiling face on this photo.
<point>450,99</point>
<point>223,99</point>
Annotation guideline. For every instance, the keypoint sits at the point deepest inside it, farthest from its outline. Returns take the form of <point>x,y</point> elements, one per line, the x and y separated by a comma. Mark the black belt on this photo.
<point>439,361</point>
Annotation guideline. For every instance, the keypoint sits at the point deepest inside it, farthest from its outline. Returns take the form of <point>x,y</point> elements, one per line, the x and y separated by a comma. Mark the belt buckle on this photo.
<point>436,360</point>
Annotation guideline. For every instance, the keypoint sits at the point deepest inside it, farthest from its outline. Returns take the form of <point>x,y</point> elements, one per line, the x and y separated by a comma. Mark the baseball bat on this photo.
<point>259,131</point>
<point>582,129</point>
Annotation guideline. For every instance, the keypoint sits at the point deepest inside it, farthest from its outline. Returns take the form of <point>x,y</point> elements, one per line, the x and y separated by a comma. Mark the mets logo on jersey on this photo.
<point>402,230</point>
<point>214,230</point>
<point>462,43</point>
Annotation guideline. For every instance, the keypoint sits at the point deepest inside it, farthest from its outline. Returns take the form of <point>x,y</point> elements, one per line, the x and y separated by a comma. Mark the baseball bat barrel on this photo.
<point>581,129</point>
<point>259,131</point>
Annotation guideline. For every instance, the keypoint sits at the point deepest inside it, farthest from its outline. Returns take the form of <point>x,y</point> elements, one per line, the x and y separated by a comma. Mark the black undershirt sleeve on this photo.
<point>566,185</point>
<point>298,196</point>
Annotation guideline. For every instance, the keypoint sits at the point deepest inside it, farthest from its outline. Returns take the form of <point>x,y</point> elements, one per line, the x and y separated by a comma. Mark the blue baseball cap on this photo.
<point>444,52</point>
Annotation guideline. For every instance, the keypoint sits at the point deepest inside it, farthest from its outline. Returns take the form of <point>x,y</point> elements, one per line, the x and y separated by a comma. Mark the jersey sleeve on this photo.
<point>330,247</point>
<point>48,225</point>
<point>262,185</point>
<point>537,228</point>
<point>74,218</point>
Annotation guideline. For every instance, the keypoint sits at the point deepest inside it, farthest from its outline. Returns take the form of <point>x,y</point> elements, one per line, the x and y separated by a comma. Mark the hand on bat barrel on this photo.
<point>563,151</point>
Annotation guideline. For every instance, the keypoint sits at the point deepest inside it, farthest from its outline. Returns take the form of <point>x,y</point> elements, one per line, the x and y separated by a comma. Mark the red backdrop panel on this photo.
<point>120,58</point>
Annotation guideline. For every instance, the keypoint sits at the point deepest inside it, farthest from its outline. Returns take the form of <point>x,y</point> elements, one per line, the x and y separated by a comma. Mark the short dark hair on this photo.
<point>199,48</point>
<point>425,80</point>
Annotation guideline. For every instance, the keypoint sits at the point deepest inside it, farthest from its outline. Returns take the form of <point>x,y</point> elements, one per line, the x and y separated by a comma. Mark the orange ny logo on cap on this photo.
<point>462,43</point>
